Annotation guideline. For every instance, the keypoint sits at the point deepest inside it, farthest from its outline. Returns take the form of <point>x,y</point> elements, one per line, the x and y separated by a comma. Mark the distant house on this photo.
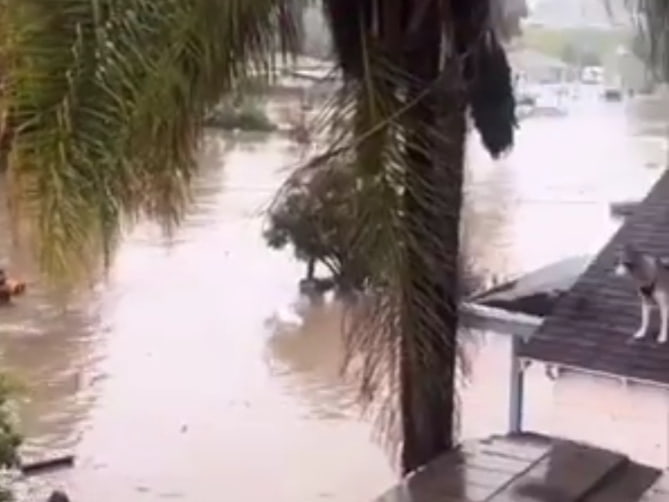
<point>627,72</point>
<point>533,67</point>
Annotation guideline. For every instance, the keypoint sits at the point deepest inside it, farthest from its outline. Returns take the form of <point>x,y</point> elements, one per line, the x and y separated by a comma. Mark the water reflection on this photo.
<point>52,351</point>
<point>193,388</point>
<point>487,216</point>
<point>308,360</point>
<point>193,374</point>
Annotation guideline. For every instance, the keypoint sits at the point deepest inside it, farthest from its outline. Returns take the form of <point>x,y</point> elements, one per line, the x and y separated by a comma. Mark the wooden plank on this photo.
<point>519,447</point>
<point>530,468</point>
<point>472,474</point>
<point>567,474</point>
<point>469,475</point>
<point>450,477</point>
<point>485,460</point>
<point>628,486</point>
<point>434,486</point>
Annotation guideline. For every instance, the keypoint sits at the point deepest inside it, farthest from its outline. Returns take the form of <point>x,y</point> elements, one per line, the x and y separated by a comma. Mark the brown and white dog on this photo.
<point>651,278</point>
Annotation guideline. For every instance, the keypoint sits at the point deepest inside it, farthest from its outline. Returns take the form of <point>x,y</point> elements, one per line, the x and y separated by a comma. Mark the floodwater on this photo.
<point>194,373</point>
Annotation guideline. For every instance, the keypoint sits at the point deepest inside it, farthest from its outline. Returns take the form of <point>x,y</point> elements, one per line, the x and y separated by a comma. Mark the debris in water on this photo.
<point>39,466</point>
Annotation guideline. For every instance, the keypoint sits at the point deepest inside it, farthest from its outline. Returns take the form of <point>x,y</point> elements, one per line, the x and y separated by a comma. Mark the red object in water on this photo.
<point>10,288</point>
<point>16,287</point>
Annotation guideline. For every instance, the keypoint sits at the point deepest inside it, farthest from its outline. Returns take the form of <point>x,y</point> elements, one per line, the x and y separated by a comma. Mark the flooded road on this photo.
<point>188,375</point>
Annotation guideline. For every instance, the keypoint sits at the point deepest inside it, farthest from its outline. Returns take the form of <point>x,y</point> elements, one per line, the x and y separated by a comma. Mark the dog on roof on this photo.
<point>650,275</point>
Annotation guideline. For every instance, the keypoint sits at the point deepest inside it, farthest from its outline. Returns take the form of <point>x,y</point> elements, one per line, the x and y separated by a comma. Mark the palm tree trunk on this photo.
<point>433,201</point>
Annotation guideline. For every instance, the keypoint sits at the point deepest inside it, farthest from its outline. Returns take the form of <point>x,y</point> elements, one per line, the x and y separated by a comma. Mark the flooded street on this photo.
<point>188,375</point>
<point>175,381</point>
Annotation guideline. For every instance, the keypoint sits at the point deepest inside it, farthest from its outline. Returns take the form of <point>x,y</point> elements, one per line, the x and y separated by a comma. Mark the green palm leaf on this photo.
<point>651,18</point>
<point>107,99</point>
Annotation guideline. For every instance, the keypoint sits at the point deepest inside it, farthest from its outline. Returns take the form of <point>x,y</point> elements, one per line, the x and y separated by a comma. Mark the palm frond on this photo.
<point>651,19</point>
<point>107,99</point>
<point>399,123</point>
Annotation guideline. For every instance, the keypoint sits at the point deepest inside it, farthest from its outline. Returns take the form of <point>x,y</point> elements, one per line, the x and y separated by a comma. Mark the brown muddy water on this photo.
<point>195,373</point>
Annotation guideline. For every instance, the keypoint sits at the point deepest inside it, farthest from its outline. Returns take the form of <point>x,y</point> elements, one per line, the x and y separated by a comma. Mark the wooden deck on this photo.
<point>531,468</point>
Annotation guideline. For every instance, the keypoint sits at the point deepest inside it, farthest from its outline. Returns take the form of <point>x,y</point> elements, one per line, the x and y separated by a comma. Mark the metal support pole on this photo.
<point>666,443</point>
<point>517,388</point>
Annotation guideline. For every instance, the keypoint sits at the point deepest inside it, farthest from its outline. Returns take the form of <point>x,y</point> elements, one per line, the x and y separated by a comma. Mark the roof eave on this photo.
<point>477,316</point>
<point>598,373</point>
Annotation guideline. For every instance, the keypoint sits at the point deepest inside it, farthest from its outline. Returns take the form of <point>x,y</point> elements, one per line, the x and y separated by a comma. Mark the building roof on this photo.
<point>591,326</point>
<point>535,293</point>
<point>529,467</point>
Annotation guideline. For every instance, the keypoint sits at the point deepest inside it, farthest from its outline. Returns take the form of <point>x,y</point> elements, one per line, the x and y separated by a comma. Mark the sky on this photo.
<point>576,12</point>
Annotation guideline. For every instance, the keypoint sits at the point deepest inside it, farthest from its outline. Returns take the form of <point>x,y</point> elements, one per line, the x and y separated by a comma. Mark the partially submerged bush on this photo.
<point>321,212</point>
<point>314,213</point>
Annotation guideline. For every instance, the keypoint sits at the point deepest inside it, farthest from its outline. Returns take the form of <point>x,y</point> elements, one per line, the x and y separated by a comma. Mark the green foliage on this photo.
<point>315,213</point>
<point>108,99</point>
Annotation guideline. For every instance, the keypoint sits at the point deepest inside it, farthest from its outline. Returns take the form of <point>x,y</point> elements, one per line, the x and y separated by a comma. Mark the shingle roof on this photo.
<point>590,326</point>
<point>537,292</point>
